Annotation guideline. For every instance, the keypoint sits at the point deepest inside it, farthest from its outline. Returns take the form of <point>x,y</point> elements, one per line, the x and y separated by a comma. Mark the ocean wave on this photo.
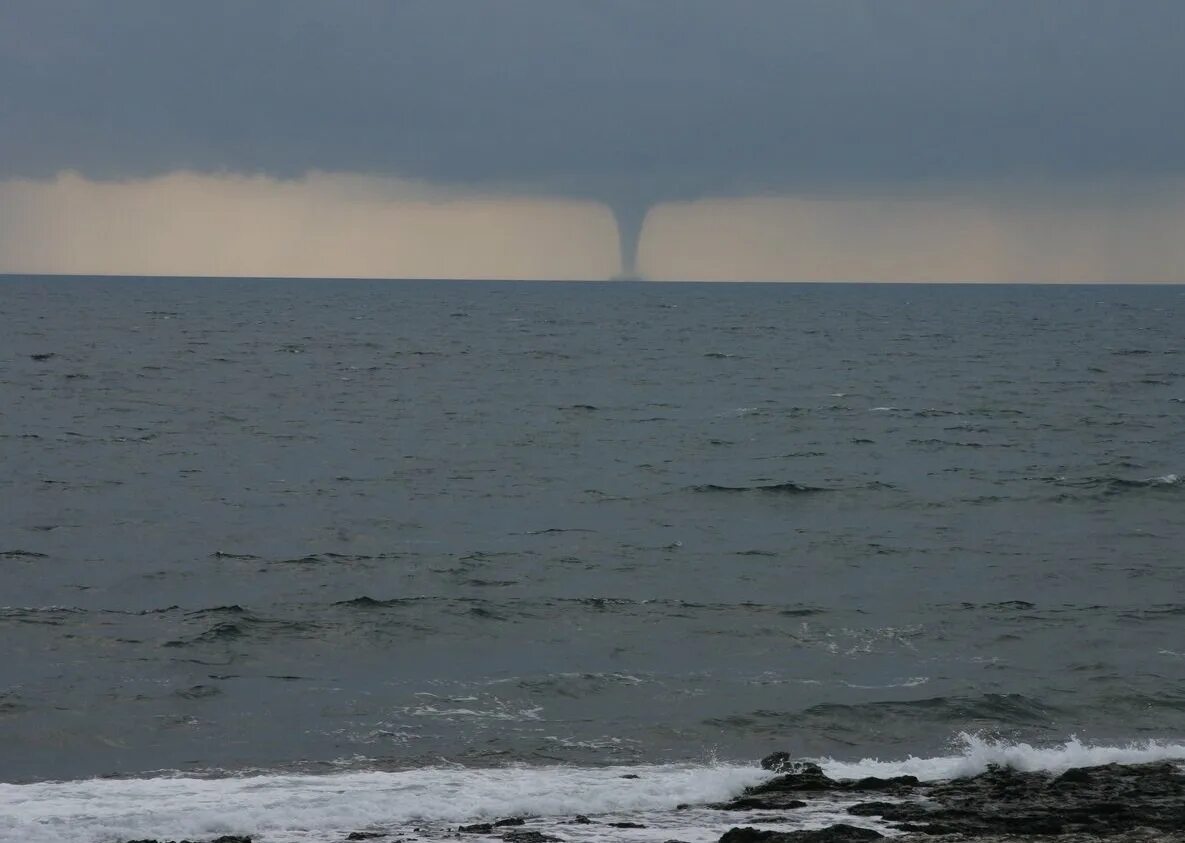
<point>40,615</point>
<point>20,554</point>
<point>1109,485</point>
<point>283,808</point>
<point>883,717</point>
<point>978,754</point>
<point>365,616</point>
<point>577,685</point>
<point>1013,709</point>
<point>771,488</point>
<point>243,624</point>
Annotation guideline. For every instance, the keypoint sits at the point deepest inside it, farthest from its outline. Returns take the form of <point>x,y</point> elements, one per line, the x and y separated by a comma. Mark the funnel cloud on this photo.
<point>630,215</point>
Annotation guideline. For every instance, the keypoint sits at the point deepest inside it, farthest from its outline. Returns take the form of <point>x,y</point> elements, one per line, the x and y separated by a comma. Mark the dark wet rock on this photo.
<point>509,821</point>
<point>631,776</point>
<point>1101,800</point>
<point>759,803</point>
<point>1078,775</point>
<point>874,783</point>
<point>781,792</point>
<point>777,762</point>
<point>529,837</point>
<point>579,819</point>
<point>1112,801</point>
<point>43,356</point>
<point>366,835</point>
<point>626,825</point>
<point>805,777</point>
<point>840,833</point>
<point>226,838</point>
<point>768,819</point>
<point>477,828</point>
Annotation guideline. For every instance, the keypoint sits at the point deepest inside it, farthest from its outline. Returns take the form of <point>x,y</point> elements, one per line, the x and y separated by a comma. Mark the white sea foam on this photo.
<point>910,682</point>
<point>979,753</point>
<point>284,808</point>
<point>306,808</point>
<point>530,713</point>
<point>1164,480</point>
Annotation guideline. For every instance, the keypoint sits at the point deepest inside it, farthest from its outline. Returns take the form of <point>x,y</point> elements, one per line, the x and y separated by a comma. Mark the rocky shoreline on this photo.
<point>1116,803</point>
<point>1113,801</point>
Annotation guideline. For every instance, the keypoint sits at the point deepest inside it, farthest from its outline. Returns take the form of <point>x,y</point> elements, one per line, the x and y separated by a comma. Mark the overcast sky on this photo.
<point>632,103</point>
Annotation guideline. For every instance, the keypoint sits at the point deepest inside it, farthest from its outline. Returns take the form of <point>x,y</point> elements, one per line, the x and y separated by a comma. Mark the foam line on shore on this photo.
<point>102,810</point>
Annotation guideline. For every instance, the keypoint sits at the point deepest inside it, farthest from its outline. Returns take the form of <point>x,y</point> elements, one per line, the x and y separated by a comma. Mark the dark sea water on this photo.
<point>371,529</point>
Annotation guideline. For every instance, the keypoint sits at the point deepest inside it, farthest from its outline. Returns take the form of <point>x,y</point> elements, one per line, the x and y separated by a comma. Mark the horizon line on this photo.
<point>633,281</point>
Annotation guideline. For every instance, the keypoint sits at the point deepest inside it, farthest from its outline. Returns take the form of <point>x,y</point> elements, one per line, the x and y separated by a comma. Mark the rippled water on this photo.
<point>312,526</point>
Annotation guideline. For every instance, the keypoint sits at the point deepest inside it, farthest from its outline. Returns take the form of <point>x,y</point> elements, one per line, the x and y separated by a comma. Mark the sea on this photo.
<point>301,558</point>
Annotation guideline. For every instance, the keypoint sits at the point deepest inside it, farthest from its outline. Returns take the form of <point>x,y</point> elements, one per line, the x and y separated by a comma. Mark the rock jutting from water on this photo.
<point>1113,801</point>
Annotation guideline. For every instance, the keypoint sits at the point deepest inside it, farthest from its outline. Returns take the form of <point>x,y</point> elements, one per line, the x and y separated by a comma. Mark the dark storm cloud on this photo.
<point>644,98</point>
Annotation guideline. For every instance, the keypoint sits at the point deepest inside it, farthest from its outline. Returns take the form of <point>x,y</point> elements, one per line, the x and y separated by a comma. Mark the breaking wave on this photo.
<point>306,807</point>
<point>979,753</point>
<point>1108,486</point>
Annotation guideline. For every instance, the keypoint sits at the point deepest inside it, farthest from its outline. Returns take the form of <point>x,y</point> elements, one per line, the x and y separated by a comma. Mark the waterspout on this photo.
<point>631,218</point>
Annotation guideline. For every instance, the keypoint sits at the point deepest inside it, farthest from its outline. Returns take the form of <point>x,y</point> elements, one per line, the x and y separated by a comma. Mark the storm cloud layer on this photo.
<point>686,97</point>
<point>629,102</point>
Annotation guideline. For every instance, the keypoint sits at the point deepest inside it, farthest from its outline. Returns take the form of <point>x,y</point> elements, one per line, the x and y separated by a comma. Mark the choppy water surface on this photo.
<point>311,526</point>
